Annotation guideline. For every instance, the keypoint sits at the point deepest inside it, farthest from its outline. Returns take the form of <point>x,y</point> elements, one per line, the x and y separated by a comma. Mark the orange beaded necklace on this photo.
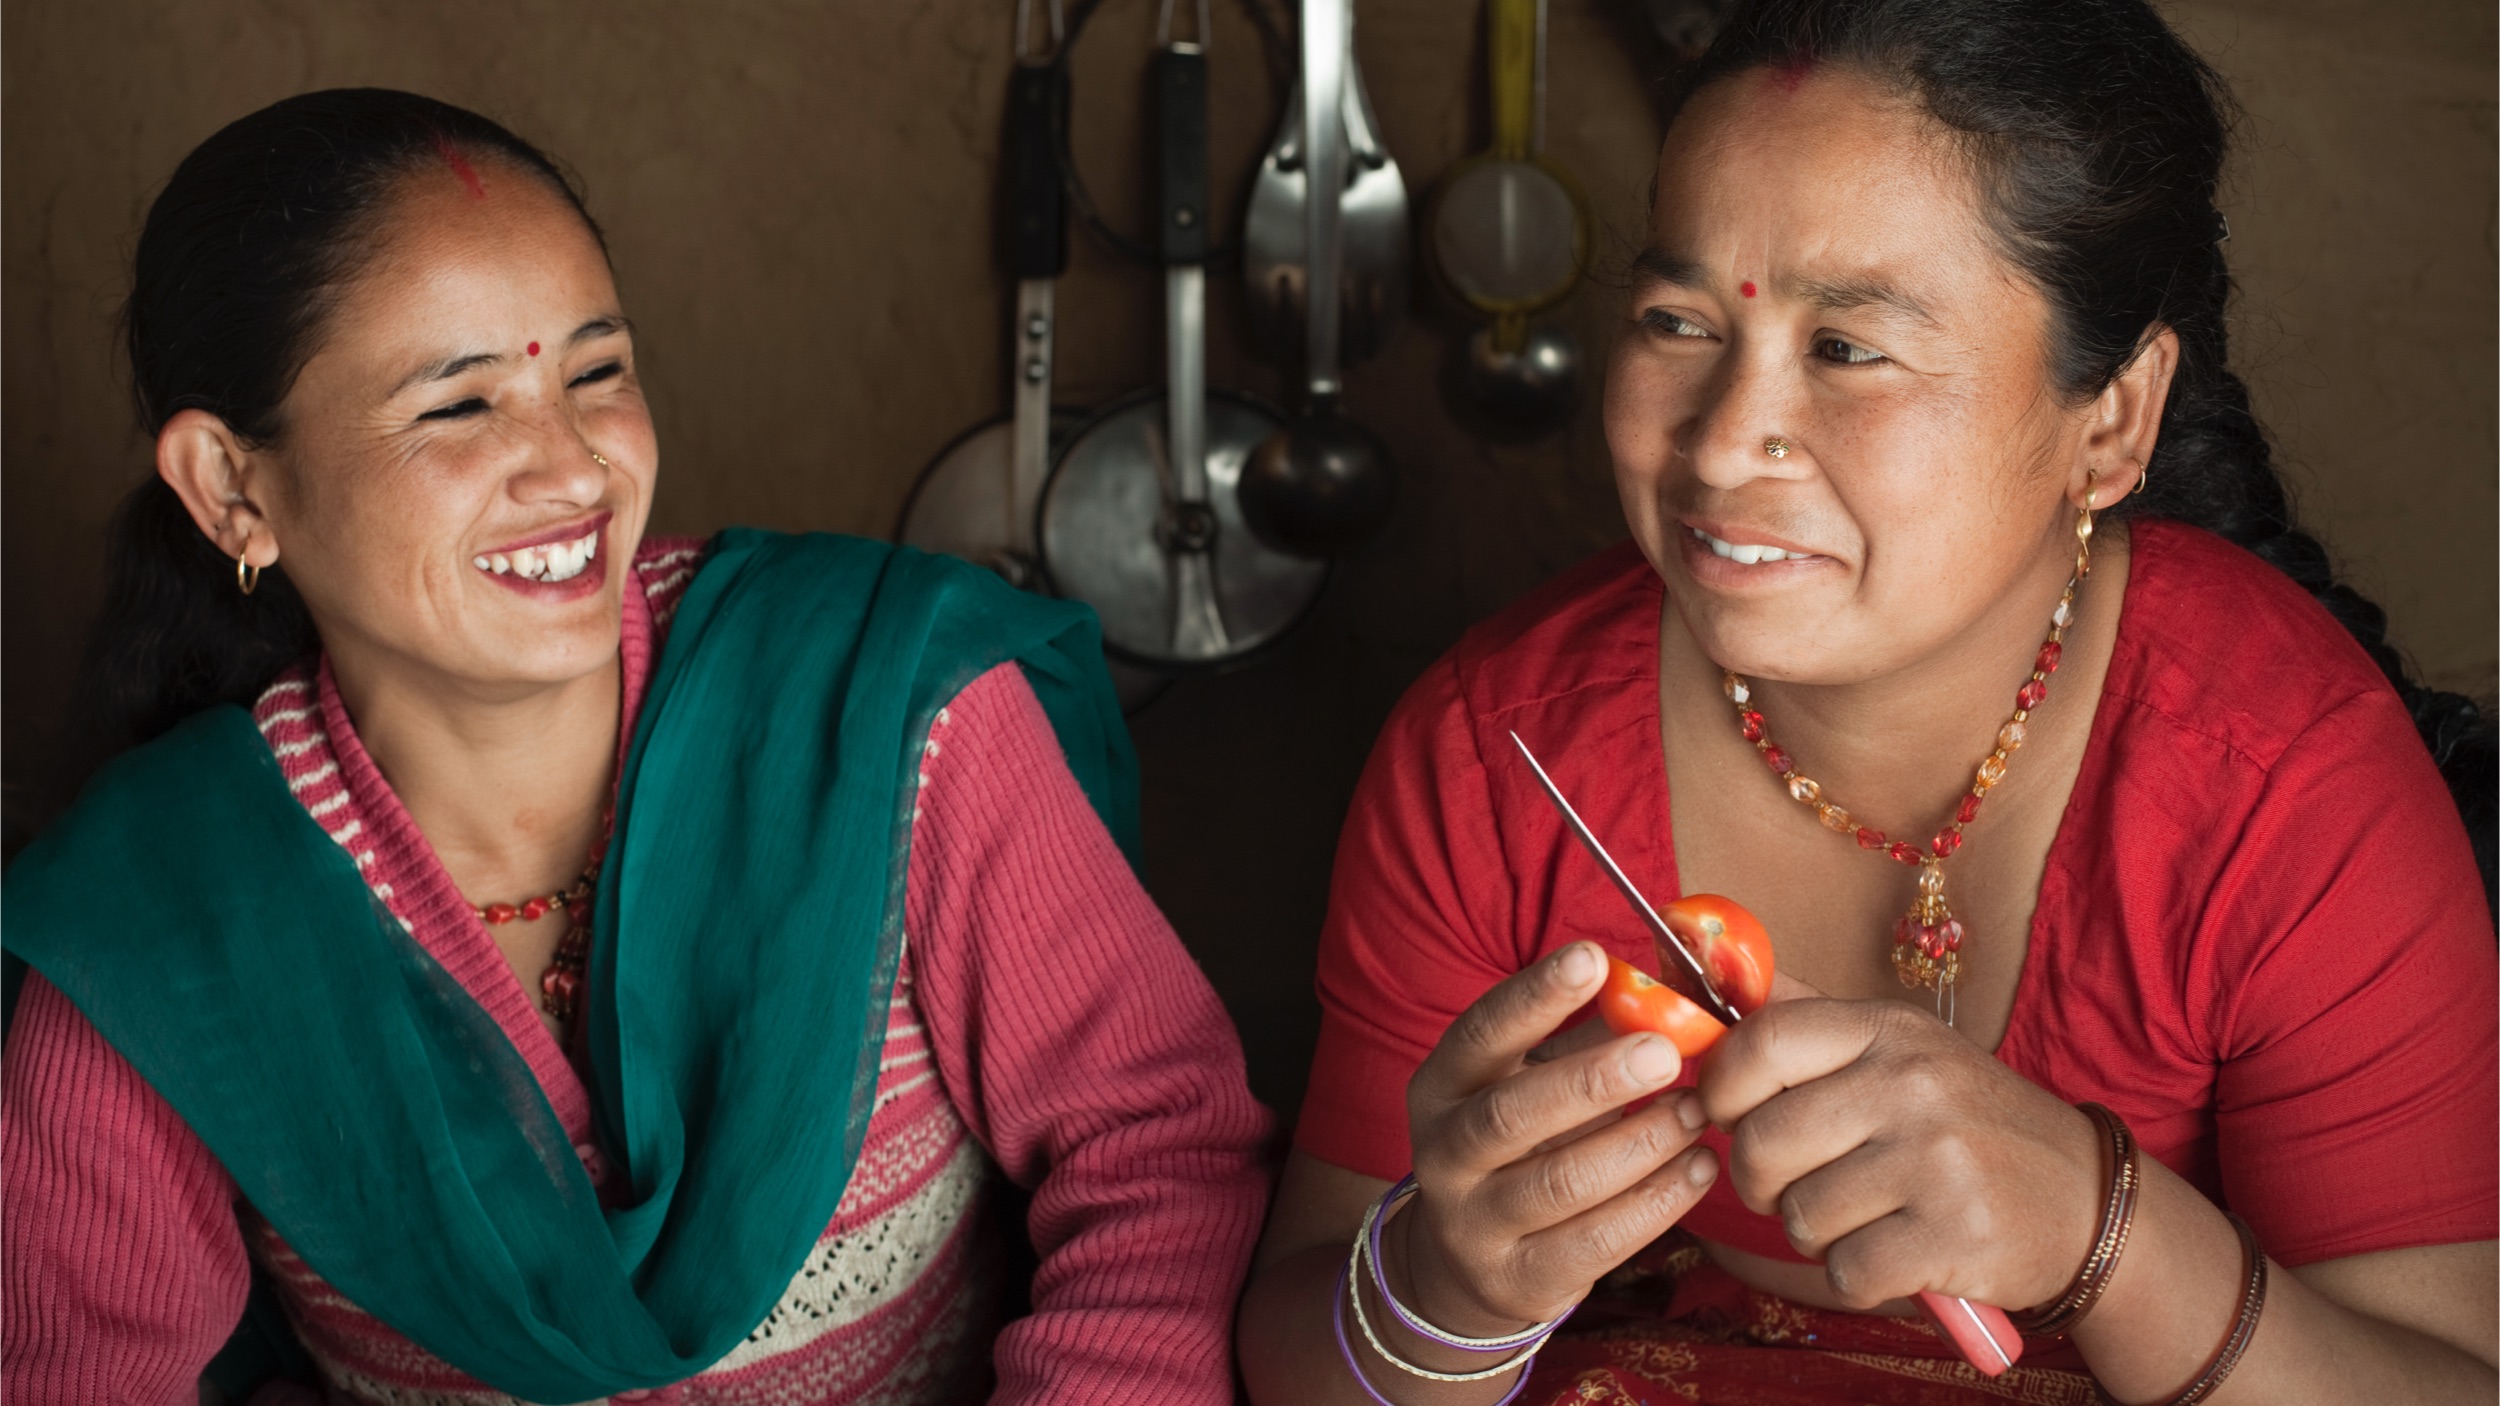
<point>1927,940</point>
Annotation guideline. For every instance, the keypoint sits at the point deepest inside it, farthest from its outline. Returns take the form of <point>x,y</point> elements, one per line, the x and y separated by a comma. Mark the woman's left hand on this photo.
<point>1903,1156</point>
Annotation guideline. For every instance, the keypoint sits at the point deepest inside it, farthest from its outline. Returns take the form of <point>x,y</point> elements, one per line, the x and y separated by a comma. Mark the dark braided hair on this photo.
<point>241,258</point>
<point>2099,139</point>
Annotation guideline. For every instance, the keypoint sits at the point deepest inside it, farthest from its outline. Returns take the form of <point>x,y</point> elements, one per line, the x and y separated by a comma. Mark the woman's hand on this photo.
<point>1903,1156</point>
<point>1535,1181</point>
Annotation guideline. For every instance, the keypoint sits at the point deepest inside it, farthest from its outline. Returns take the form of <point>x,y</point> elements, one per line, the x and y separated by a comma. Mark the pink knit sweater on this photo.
<point>1045,1024</point>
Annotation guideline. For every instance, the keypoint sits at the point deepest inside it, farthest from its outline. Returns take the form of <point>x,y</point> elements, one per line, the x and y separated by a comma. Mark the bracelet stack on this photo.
<point>1520,1348</point>
<point>2126,1176</point>
<point>2057,1317</point>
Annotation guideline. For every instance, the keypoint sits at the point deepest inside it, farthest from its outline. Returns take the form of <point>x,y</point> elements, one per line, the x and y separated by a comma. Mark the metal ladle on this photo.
<point>1322,485</point>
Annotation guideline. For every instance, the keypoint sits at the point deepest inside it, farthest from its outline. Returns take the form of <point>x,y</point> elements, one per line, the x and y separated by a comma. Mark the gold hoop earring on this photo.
<point>246,575</point>
<point>1776,447</point>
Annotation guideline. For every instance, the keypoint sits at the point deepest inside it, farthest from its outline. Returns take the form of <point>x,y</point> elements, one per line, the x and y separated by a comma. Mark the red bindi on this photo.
<point>533,349</point>
<point>1745,288</point>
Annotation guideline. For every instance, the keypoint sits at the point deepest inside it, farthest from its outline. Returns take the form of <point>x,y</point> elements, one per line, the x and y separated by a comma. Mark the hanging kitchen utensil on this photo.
<point>1140,517</point>
<point>1372,237</point>
<point>1509,236</point>
<point>1323,484</point>
<point>976,499</point>
<point>1522,394</point>
<point>1149,250</point>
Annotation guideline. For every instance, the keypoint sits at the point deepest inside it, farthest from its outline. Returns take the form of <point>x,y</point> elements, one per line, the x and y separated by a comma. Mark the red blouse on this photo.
<point>2260,937</point>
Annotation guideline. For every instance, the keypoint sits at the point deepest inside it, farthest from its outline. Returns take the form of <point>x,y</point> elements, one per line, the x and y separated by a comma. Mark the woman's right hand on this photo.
<point>1534,1179</point>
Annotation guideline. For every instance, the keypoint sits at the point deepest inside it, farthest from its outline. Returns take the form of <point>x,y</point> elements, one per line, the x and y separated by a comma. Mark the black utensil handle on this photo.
<point>1036,231</point>
<point>1180,110</point>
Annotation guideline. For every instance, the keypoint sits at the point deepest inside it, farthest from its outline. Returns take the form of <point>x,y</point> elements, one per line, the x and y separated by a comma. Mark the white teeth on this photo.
<point>1745,553</point>
<point>557,561</point>
<point>566,561</point>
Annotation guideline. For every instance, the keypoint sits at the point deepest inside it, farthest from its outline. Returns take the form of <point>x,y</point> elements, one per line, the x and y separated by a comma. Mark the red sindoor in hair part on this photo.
<point>460,167</point>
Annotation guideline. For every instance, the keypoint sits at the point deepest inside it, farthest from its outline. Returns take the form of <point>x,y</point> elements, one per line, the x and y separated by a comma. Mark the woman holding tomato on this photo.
<point>2135,975</point>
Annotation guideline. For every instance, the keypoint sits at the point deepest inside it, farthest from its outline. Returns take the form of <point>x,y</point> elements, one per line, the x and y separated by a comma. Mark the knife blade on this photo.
<point>1668,943</point>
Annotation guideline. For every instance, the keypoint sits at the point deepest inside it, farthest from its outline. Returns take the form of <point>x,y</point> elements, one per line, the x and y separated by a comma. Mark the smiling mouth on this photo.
<point>556,561</point>
<point>1744,553</point>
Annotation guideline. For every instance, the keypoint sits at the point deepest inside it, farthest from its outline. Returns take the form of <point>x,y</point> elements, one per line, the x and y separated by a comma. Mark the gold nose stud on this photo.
<point>1776,447</point>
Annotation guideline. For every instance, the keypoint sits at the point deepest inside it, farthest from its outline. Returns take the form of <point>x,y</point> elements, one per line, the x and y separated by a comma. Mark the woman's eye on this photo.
<point>605,370</point>
<point>458,410</point>
<point>1667,324</point>
<point>1833,349</point>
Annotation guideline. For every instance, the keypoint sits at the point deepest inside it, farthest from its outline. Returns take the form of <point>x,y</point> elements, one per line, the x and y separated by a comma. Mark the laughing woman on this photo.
<point>564,963</point>
<point>1933,307</point>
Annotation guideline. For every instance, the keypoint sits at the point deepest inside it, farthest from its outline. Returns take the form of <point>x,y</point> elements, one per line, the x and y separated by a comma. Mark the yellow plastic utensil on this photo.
<point>1509,227</point>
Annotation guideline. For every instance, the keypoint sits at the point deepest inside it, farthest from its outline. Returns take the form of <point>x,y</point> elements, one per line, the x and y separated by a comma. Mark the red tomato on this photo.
<point>1730,944</point>
<point>1632,1001</point>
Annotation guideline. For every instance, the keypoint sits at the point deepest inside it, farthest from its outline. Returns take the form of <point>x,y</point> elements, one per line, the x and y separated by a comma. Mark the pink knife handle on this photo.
<point>1985,1336</point>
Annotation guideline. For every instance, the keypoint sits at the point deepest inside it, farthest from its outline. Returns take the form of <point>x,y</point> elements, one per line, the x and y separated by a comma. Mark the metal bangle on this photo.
<point>1354,1292</point>
<point>2243,1328</point>
<point>1345,1349</point>
<point>1369,1240</point>
<point>2126,1178</point>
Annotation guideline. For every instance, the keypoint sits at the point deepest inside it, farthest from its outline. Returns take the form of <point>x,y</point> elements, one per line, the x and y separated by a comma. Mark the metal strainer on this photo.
<point>1508,232</point>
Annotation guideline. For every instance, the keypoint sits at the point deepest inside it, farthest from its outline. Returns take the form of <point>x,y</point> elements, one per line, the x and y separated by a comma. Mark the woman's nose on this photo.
<point>1746,429</point>
<point>562,468</point>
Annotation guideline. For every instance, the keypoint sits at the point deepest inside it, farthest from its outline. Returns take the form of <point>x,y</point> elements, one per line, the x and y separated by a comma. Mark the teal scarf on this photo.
<point>748,928</point>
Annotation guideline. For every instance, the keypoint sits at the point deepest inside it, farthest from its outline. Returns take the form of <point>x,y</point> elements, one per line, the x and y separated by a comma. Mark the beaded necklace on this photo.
<point>1927,940</point>
<point>560,986</point>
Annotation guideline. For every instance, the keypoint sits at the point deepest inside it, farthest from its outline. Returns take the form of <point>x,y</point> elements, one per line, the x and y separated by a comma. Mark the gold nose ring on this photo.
<point>602,459</point>
<point>1776,447</point>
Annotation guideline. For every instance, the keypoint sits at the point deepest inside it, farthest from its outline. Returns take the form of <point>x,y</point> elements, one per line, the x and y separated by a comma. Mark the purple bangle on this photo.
<point>1336,1320</point>
<point>1416,1325</point>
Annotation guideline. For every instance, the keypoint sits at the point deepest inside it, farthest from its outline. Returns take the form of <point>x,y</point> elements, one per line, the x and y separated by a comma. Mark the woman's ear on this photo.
<point>2126,423</point>
<point>200,458</point>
